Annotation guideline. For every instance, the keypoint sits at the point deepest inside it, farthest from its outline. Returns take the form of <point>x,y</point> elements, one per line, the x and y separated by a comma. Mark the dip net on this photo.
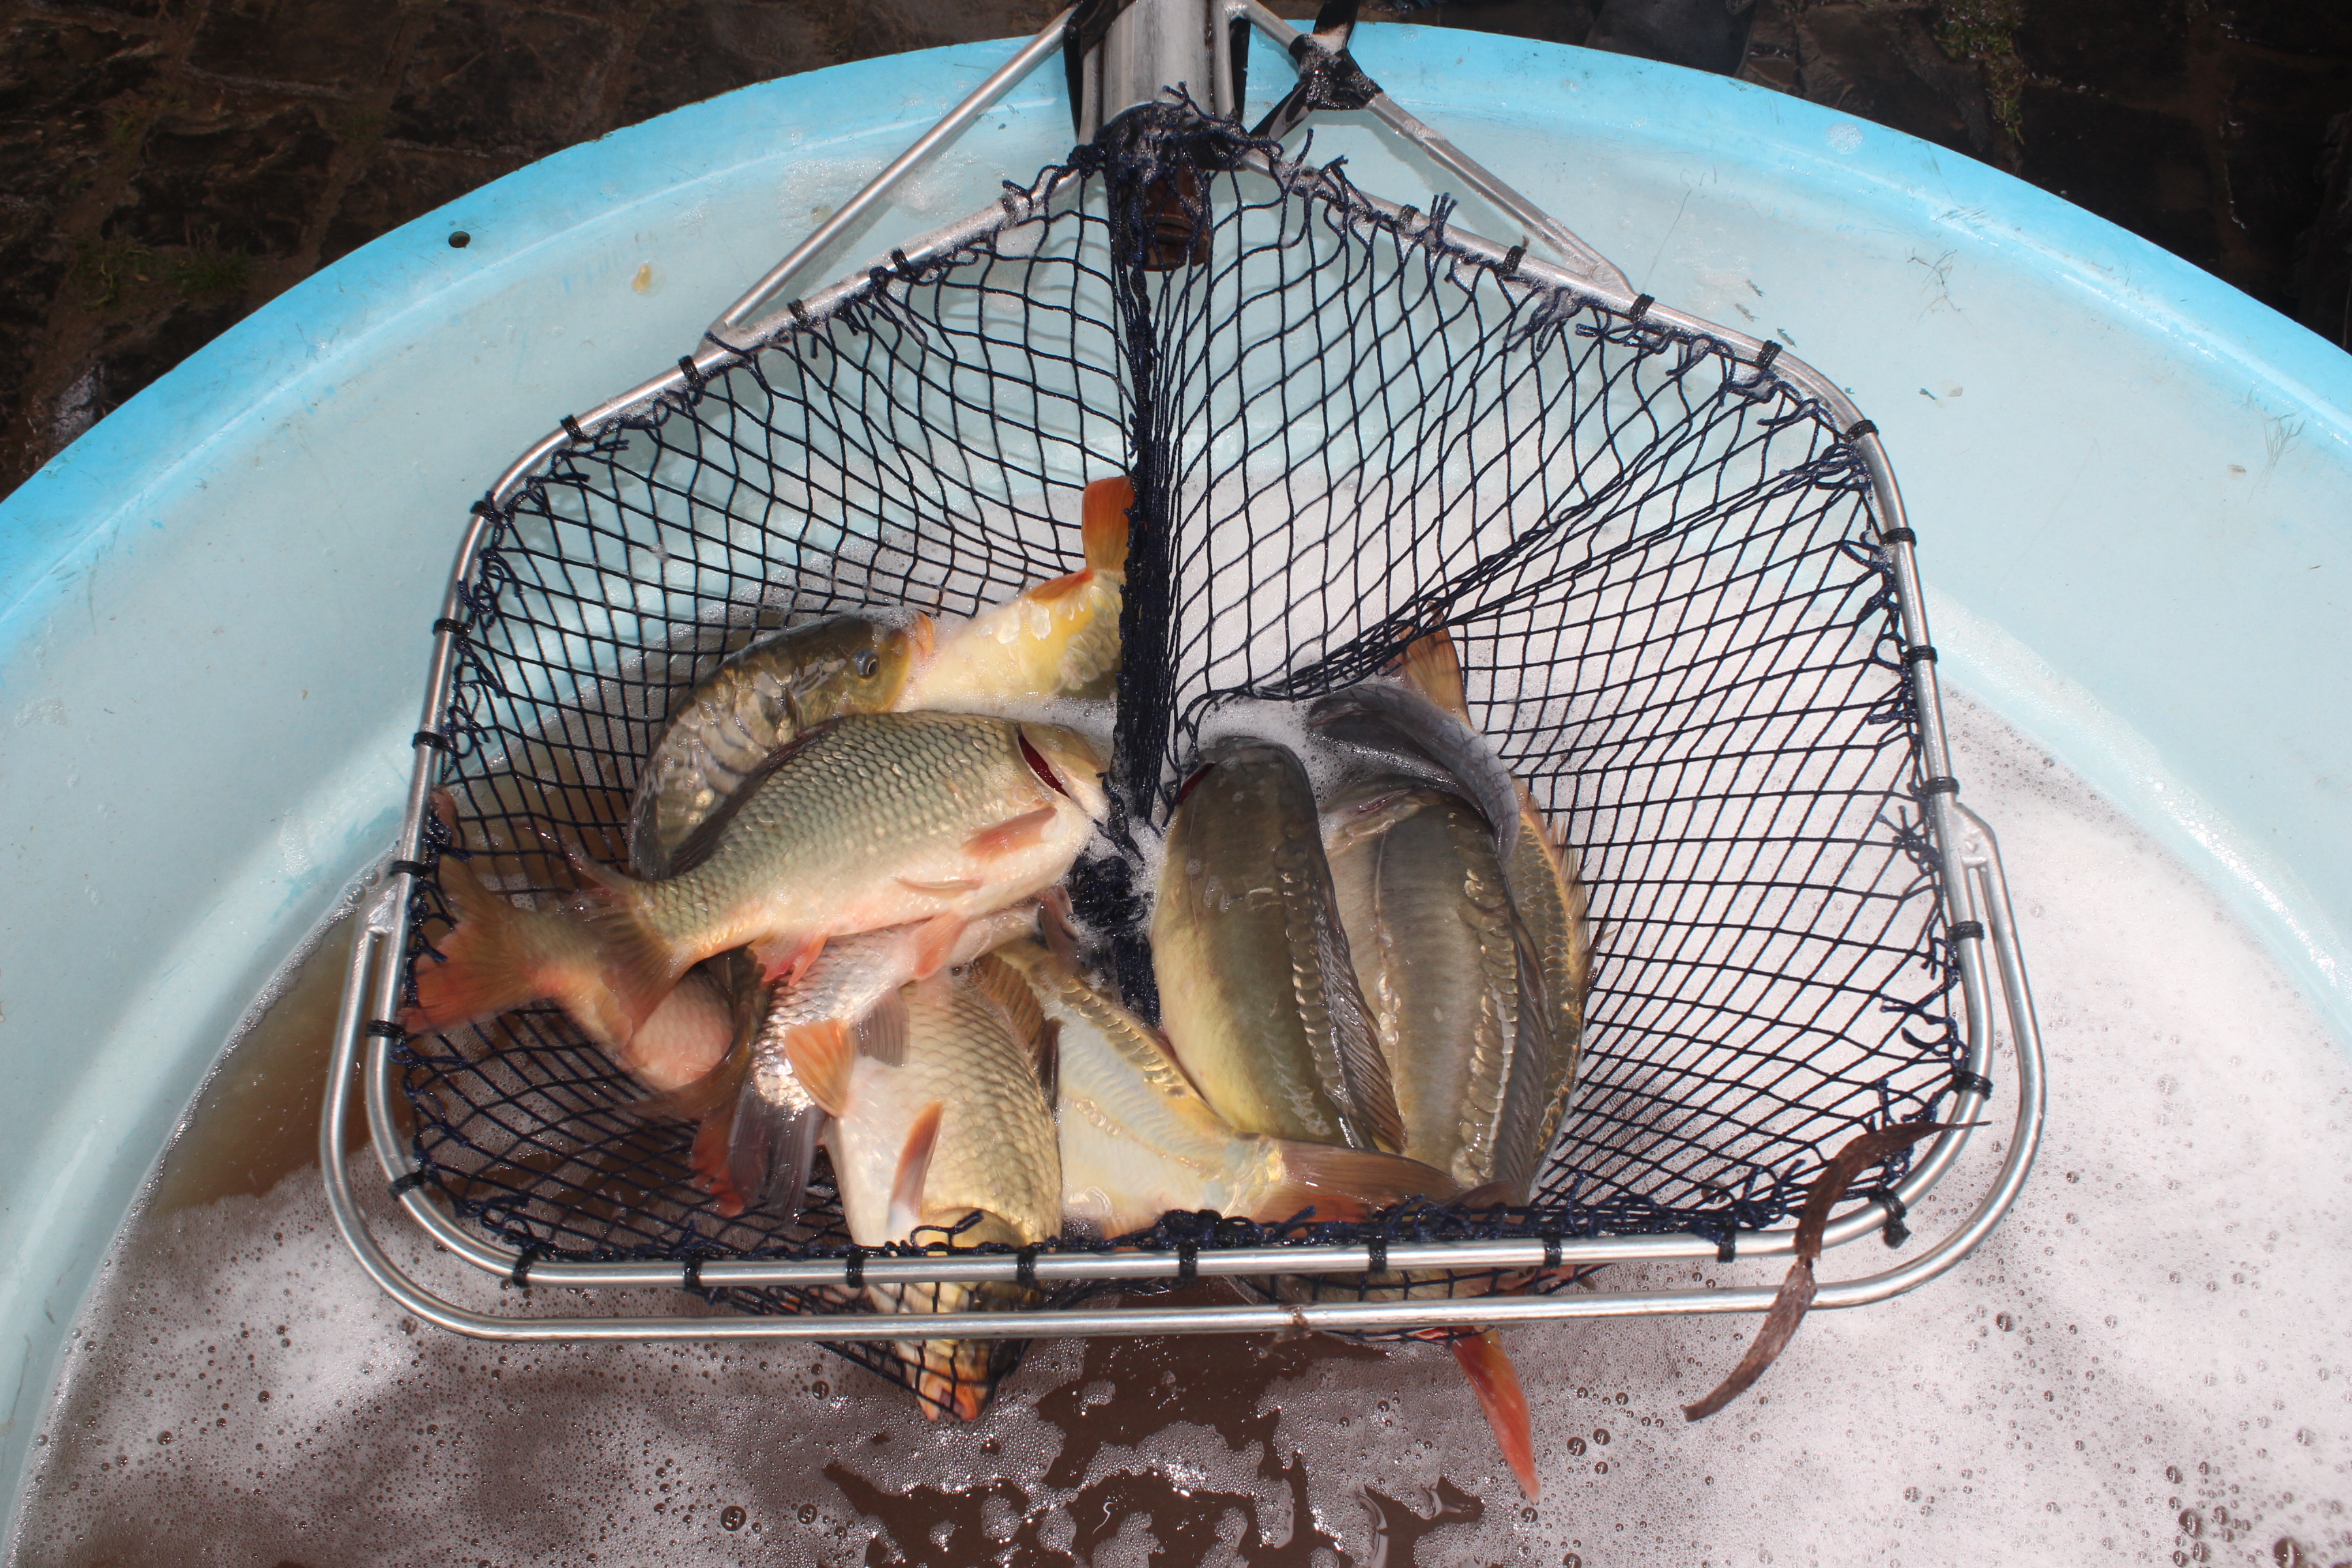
<point>1660,563</point>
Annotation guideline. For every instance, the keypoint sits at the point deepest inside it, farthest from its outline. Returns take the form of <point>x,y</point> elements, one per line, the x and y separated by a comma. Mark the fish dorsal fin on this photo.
<point>1103,523</point>
<point>881,1035</point>
<point>1432,667</point>
<point>707,833</point>
<point>914,1166</point>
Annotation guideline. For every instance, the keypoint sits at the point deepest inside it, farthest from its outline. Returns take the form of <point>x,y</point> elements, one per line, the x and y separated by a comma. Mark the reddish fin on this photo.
<point>1431,667</point>
<point>914,1166</point>
<point>924,634</point>
<point>1060,587</point>
<point>487,967</point>
<point>709,1159</point>
<point>823,1054</point>
<point>881,1035</point>
<point>946,887</point>
<point>1497,1383</point>
<point>1341,1183</point>
<point>1015,832</point>
<point>935,944</point>
<point>788,959</point>
<point>1103,522</point>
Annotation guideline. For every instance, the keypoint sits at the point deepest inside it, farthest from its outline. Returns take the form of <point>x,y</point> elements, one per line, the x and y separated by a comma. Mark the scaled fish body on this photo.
<point>761,698</point>
<point>1138,1140</point>
<point>1057,639</point>
<point>1449,975</point>
<point>871,820</point>
<point>1257,993</point>
<point>1540,870</point>
<point>774,1121</point>
<point>957,1122</point>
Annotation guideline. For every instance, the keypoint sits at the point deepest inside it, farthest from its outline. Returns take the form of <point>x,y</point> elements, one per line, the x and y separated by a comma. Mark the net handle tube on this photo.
<point>1046,46</point>
<point>1588,265</point>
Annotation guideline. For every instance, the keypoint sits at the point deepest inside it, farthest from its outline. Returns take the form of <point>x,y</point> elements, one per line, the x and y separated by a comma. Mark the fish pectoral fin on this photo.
<point>945,887</point>
<point>823,1054</point>
<point>914,1166</point>
<point>935,943</point>
<point>1015,832</point>
<point>709,1159</point>
<point>881,1034</point>
<point>788,959</point>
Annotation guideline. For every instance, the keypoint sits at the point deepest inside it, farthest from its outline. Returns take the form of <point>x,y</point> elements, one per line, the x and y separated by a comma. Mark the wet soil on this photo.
<point>168,165</point>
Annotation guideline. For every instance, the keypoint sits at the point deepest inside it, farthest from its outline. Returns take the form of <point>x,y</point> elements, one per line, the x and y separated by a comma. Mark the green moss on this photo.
<point>108,269</point>
<point>209,272</point>
<point>1986,31</point>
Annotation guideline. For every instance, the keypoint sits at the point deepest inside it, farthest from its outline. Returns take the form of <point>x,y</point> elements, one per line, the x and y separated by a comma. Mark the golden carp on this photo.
<point>947,1118</point>
<point>1449,975</point>
<point>760,1158</point>
<point>1540,870</point>
<point>866,821</point>
<point>1138,1140</point>
<point>761,698</point>
<point>1057,639</point>
<point>1257,993</point>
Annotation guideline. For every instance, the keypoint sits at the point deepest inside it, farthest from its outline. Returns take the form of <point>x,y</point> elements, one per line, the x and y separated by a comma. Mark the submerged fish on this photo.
<point>760,1158</point>
<point>949,1120</point>
<point>867,821</point>
<point>1257,992</point>
<point>1138,1140</point>
<point>1450,976</point>
<point>759,698</point>
<point>1057,639</point>
<point>1540,870</point>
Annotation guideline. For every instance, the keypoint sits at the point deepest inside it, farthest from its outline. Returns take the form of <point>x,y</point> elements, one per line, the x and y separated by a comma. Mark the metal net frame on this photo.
<point>1346,425</point>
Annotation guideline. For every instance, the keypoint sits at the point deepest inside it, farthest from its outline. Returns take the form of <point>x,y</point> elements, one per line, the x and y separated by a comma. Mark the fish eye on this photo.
<point>865,663</point>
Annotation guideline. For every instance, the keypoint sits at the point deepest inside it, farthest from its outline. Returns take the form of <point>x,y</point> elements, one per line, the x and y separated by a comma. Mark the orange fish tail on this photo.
<point>1497,1383</point>
<point>1431,666</point>
<point>1346,1184</point>
<point>1104,526</point>
<point>490,961</point>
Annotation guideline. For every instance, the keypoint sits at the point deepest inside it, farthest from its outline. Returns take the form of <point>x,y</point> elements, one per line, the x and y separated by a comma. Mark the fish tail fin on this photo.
<point>1104,527</point>
<point>769,1150</point>
<point>1341,1184</point>
<point>712,1162</point>
<point>1432,667</point>
<point>1497,1383</point>
<point>498,957</point>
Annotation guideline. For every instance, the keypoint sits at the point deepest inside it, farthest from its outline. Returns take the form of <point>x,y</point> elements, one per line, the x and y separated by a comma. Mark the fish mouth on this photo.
<point>1068,764</point>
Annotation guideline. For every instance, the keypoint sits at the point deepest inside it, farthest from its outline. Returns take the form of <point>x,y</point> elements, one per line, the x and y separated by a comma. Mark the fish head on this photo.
<point>853,664</point>
<point>1068,764</point>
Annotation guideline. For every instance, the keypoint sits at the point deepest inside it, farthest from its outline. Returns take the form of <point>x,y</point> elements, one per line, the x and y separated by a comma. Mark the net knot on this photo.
<point>1895,1233</point>
<point>520,1278</point>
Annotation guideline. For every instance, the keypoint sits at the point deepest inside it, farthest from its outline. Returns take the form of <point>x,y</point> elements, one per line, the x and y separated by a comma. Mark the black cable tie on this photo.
<point>1511,259</point>
<point>1405,214</point>
<point>1188,1261</point>
<point>800,312</point>
<point>1923,654</point>
<point>1939,786</point>
<point>1765,356</point>
<point>1025,1266</point>
<point>1898,536</point>
<point>1859,428</point>
<point>406,1182</point>
<point>412,867</point>
<point>1551,1248</point>
<point>428,738</point>
<point>1727,1249</point>
<point>484,509</point>
<point>1895,1233</point>
<point>571,428</point>
<point>904,267</point>
<point>685,367</point>
<point>1642,307</point>
<point>1377,1250</point>
<point>378,1029</point>
<point>1967,931</point>
<point>691,1277</point>
<point>1968,1082</point>
<point>853,1269</point>
<point>454,627</point>
<point>520,1277</point>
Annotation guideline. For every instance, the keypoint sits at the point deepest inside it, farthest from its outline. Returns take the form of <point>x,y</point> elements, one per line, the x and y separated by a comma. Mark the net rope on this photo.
<point>1660,563</point>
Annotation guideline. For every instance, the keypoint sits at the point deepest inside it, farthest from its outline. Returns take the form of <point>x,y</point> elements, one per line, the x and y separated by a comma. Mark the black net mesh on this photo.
<point>1660,565</point>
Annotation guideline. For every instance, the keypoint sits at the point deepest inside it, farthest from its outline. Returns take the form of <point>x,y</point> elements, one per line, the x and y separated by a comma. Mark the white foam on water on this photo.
<point>2150,1357</point>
